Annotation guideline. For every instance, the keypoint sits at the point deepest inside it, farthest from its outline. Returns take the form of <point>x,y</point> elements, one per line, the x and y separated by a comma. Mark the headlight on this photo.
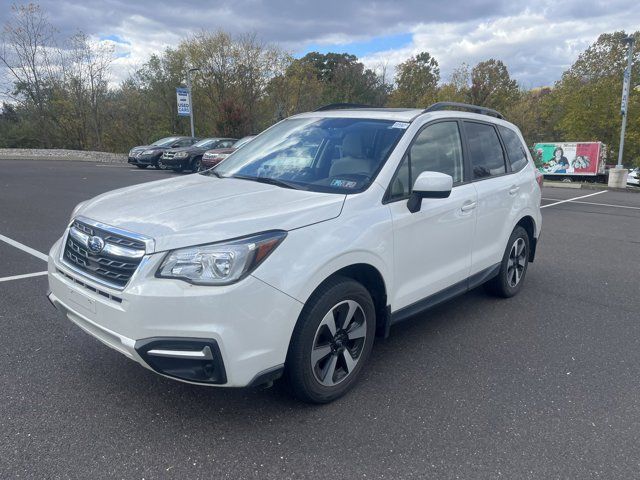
<point>220,263</point>
<point>148,152</point>
<point>181,154</point>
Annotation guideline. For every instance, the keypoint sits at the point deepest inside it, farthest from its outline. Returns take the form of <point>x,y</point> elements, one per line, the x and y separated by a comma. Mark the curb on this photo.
<point>591,186</point>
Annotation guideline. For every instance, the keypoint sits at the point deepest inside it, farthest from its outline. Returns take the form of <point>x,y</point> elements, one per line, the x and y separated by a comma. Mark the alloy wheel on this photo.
<point>517,262</point>
<point>338,343</point>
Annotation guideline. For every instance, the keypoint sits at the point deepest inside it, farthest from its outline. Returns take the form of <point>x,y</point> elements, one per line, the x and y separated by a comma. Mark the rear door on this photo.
<point>432,247</point>
<point>497,191</point>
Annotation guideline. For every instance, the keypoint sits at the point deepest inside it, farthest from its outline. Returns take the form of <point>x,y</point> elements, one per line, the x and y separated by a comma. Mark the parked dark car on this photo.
<point>190,158</point>
<point>213,157</point>
<point>145,155</point>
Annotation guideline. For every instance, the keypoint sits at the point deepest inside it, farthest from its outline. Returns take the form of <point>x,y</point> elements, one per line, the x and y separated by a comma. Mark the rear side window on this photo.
<point>515,150</point>
<point>487,158</point>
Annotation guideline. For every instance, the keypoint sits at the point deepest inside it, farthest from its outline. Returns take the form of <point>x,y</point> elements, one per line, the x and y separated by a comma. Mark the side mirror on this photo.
<point>429,185</point>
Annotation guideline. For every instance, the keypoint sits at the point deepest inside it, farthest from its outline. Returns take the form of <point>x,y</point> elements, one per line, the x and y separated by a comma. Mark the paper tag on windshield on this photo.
<point>402,125</point>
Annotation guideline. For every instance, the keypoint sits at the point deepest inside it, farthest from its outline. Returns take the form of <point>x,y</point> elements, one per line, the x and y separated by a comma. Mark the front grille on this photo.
<point>168,155</point>
<point>89,287</point>
<point>114,264</point>
<point>108,237</point>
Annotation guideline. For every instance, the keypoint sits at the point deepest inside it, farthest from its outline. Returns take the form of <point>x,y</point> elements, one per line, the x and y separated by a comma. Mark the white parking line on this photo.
<point>26,275</point>
<point>24,248</point>
<point>574,198</point>
<point>598,204</point>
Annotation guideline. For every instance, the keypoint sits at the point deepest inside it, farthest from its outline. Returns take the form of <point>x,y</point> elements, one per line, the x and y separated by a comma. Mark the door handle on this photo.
<point>513,190</point>
<point>468,206</point>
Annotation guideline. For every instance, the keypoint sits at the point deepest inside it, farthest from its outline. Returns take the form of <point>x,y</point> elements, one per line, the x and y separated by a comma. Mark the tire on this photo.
<point>328,374</point>
<point>509,280</point>
<point>196,164</point>
<point>142,166</point>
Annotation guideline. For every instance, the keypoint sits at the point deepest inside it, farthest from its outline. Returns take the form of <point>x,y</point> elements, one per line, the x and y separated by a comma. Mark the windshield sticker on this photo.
<point>343,183</point>
<point>402,125</point>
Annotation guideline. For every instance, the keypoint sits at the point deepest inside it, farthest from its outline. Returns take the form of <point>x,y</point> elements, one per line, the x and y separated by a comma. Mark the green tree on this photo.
<point>492,86</point>
<point>416,82</point>
<point>588,97</point>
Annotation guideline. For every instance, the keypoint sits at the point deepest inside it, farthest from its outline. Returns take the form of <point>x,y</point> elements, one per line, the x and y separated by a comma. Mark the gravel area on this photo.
<point>61,154</point>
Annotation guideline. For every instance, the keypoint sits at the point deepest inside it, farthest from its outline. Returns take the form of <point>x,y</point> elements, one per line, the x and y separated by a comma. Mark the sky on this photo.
<point>537,40</point>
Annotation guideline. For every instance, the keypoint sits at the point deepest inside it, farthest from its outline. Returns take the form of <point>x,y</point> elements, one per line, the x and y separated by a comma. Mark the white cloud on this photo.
<point>535,48</point>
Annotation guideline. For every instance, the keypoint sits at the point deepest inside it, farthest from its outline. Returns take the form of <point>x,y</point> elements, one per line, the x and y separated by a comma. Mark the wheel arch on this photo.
<point>529,224</point>
<point>373,280</point>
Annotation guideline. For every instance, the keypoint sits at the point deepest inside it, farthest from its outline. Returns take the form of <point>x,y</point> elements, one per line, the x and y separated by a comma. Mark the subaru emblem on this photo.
<point>95,244</point>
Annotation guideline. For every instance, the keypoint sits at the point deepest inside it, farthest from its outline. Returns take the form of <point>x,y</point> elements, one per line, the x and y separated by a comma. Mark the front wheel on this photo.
<point>513,267</point>
<point>331,342</point>
<point>196,165</point>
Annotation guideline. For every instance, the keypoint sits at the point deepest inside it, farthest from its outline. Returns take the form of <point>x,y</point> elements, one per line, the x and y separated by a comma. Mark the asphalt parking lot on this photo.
<point>544,385</point>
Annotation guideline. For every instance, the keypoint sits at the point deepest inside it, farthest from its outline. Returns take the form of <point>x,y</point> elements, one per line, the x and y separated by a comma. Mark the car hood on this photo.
<point>147,147</point>
<point>220,150</point>
<point>199,209</point>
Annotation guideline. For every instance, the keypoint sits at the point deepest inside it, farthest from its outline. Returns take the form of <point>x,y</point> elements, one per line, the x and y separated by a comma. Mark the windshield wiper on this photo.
<point>270,181</point>
<point>212,172</point>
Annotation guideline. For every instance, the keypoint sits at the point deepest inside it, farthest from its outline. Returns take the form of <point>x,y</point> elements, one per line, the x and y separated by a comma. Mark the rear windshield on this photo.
<point>341,155</point>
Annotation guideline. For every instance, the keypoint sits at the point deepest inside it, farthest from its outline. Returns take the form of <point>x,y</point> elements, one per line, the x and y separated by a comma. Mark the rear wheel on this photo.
<point>331,342</point>
<point>513,267</point>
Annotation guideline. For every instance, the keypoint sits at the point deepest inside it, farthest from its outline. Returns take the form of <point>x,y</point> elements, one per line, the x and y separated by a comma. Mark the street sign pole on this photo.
<point>193,131</point>
<point>626,84</point>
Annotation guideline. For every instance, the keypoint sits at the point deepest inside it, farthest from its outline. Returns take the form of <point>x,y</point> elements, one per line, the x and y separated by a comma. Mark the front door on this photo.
<point>432,247</point>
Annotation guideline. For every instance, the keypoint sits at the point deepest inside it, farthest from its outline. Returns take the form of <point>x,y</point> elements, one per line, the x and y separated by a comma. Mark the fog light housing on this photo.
<point>195,360</point>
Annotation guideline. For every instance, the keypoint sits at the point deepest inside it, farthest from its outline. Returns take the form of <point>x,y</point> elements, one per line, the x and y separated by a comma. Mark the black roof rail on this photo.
<point>463,106</point>
<point>341,106</point>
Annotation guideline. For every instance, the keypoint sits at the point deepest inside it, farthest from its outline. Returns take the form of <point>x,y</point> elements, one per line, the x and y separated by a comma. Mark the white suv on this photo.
<point>294,253</point>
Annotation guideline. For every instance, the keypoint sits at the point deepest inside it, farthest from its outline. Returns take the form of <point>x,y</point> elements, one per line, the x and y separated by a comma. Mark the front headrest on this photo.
<point>352,145</point>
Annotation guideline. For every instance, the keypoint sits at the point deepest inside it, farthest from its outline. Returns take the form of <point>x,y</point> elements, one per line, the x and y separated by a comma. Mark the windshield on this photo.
<point>163,142</point>
<point>242,141</point>
<point>340,155</point>
<point>206,143</point>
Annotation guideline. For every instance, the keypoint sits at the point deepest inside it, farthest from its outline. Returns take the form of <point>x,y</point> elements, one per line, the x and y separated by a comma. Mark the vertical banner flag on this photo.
<point>625,91</point>
<point>184,103</point>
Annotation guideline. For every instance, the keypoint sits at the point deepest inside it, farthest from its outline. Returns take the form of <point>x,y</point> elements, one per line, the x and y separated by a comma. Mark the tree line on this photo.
<point>61,96</point>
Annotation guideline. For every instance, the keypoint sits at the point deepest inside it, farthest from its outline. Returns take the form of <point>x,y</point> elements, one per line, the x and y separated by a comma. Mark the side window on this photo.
<point>186,142</point>
<point>487,158</point>
<point>437,148</point>
<point>225,144</point>
<point>515,150</point>
<point>400,185</point>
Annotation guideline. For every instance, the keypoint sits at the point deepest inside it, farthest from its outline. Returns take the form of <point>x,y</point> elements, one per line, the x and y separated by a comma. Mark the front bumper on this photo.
<point>183,162</point>
<point>144,159</point>
<point>249,322</point>
<point>210,162</point>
